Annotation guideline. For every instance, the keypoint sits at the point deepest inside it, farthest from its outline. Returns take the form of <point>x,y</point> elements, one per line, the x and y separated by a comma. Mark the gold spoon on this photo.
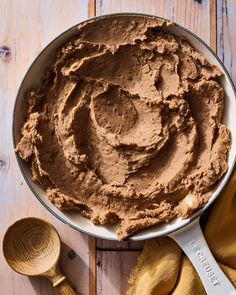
<point>32,247</point>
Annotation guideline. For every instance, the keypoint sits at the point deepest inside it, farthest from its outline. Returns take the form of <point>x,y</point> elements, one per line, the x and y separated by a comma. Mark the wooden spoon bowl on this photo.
<point>32,247</point>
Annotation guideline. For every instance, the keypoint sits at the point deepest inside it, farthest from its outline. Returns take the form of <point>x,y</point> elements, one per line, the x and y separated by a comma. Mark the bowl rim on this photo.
<point>131,237</point>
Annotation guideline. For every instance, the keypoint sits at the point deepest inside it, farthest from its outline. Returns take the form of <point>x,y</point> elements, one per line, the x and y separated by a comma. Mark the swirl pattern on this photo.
<point>127,126</point>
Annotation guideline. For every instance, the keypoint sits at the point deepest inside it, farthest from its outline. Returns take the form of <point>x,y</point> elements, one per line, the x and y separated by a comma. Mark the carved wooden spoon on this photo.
<point>32,247</point>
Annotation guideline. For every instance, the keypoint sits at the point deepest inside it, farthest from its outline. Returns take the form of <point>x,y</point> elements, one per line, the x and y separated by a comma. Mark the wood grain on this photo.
<point>194,15</point>
<point>213,25</point>
<point>91,8</point>
<point>92,266</point>
<point>25,28</point>
<point>226,34</point>
<point>113,269</point>
<point>122,246</point>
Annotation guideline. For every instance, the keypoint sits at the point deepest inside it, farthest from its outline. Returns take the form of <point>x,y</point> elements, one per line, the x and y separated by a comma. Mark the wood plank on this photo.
<point>123,245</point>
<point>194,15</point>
<point>226,34</point>
<point>213,25</point>
<point>113,269</point>
<point>25,28</point>
<point>91,8</point>
<point>92,266</point>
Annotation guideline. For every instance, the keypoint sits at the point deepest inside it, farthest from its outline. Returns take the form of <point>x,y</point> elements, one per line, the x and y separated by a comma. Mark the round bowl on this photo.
<point>32,79</point>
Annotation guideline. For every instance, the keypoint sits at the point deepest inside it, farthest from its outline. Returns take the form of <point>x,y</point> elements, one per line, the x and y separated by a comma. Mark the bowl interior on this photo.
<point>33,78</point>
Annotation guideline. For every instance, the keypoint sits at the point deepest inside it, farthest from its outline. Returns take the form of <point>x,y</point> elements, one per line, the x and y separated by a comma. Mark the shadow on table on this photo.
<point>72,266</point>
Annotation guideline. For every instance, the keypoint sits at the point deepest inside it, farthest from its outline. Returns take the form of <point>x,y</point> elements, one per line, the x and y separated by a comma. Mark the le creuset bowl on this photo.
<point>177,228</point>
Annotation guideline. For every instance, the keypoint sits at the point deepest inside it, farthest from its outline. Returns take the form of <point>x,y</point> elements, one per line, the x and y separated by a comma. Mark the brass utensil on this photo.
<point>32,247</point>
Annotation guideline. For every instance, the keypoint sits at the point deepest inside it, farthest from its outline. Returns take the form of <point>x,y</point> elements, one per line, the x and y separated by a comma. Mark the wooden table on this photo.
<point>26,26</point>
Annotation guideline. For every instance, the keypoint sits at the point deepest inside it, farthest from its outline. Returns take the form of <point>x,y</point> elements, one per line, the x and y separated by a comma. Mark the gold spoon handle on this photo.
<point>60,282</point>
<point>65,288</point>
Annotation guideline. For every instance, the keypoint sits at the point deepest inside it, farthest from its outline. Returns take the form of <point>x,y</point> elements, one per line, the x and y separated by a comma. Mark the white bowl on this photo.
<point>32,79</point>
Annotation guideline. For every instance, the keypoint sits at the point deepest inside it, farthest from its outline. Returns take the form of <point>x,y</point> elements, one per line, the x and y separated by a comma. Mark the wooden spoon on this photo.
<point>32,247</point>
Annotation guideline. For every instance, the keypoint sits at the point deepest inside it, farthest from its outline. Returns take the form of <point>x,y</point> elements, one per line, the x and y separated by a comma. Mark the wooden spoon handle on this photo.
<point>65,288</point>
<point>60,281</point>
